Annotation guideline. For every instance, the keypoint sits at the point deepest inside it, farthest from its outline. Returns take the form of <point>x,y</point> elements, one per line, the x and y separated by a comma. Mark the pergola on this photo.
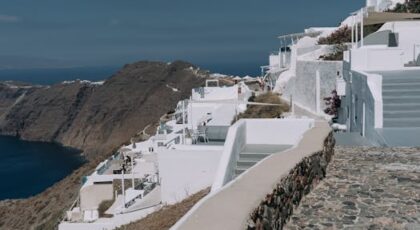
<point>366,17</point>
<point>295,37</point>
<point>373,18</point>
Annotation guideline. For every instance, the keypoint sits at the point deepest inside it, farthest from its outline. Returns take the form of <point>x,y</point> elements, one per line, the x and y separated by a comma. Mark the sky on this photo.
<point>219,34</point>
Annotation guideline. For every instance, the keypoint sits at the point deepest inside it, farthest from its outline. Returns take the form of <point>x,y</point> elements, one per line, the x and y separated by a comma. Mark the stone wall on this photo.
<point>274,211</point>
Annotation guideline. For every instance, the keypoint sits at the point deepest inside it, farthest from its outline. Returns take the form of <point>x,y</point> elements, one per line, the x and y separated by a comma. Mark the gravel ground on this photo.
<point>365,188</point>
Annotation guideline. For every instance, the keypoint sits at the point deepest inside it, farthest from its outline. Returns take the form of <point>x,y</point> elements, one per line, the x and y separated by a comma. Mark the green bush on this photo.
<point>265,111</point>
<point>340,36</point>
<point>411,6</point>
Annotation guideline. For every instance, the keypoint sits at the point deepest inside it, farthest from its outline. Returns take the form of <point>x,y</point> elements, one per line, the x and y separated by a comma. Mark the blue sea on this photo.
<point>28,168</point>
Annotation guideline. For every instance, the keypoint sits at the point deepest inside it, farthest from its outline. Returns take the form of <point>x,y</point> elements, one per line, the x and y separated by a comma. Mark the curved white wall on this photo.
<point>257,132</point>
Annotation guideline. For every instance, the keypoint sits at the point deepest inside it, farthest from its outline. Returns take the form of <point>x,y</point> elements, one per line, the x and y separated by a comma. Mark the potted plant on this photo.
<point>188,138</point>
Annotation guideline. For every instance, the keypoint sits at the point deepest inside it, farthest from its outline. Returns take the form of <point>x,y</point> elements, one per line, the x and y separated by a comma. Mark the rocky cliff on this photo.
<point>96,118</point>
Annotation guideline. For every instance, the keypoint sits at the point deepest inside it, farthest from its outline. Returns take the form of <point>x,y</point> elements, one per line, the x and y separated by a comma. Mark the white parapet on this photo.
<point>377,58</point>
<point>257,132</point>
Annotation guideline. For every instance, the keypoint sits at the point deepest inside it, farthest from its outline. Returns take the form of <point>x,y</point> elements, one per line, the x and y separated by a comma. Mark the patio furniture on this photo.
<point>202,133</point>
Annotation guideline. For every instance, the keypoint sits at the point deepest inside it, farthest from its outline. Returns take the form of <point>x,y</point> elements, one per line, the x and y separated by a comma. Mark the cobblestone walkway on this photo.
<point>365,188</point>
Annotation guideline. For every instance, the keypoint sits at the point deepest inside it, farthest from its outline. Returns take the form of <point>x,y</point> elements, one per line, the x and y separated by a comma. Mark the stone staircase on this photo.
<point>252,154</point>
<point>401,100</point>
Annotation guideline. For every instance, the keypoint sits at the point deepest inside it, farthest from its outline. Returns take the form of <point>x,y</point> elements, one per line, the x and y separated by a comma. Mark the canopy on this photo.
<point>300,35</point>
<point>372,18</point>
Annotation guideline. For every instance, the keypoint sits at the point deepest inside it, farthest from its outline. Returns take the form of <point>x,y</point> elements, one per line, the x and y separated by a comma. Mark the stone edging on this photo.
<point>277,207</point>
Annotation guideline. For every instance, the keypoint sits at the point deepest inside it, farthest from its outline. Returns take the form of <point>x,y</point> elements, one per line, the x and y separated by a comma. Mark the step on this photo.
<point>401,106</point>
<point>240,169</point>
<point>247,162</point>
<point>402,122</point>
<point>401,92</point>
<point>400,80</point>
<point>396,137</point>
<point>404,86</point>
<point>253,155</point>
<point>401,99</point>
<point>402,114</point>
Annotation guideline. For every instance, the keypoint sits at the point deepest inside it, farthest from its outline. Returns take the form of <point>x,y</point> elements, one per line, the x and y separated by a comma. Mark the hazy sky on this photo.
<point>207,32</point>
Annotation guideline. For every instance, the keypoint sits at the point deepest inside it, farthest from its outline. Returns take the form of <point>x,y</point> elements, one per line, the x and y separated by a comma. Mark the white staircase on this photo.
<point>401,108</point>
<point>401,100</point>
<point>252,154</point>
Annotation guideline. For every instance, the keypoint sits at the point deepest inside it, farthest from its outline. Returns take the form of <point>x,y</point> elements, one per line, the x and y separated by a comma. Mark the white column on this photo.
<point>183,122</point>
<point>123,190</point>
<point>284,52</point>
<point>364,120</point>
<point>190,114</point>
<point>132,171</point>
<point>362,16</point>
<point>318,92</point>
<point>352,32</point>
<point>292,106</point>
<point>357,31</point>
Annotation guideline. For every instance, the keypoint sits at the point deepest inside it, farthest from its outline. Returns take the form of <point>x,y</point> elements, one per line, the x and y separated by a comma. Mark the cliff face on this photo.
<point>98,118</point>
<point>91,117</point>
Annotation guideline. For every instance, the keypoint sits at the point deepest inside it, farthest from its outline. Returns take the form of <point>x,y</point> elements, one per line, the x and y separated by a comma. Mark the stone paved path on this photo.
<point>365,188</point>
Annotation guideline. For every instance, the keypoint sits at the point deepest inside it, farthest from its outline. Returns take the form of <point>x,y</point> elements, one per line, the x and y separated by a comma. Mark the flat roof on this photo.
<point>372,18</point>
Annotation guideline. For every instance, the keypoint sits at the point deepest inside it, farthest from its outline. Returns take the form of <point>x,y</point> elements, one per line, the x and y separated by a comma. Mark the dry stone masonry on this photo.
<point>365,188</point>
<point>277,207</point>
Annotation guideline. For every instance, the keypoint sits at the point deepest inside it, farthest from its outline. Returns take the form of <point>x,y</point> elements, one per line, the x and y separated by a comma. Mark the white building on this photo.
<point>377,81</point>
<point>156,169</point>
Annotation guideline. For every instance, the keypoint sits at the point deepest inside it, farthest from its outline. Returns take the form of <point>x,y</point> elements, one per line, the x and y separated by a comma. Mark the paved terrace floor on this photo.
<point>365,188</point>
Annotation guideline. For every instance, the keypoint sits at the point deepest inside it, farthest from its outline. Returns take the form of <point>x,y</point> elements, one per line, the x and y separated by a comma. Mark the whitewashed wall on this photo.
<point>216,93</point>
<point>276,132</point>
<point>256,132</point>
<point>234,145</point>
<point>363,90</point>
<point>185,172</point>
<point>370,58</point>
<point>303,85</point>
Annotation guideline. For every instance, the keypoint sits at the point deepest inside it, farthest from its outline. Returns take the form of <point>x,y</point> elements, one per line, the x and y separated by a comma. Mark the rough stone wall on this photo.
<point>277,207</point>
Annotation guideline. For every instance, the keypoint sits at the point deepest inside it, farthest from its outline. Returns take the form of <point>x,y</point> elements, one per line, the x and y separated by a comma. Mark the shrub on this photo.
<point>336,55</point>
<point>265,111</point>
<point>340,36</point>
<point>410,6</point>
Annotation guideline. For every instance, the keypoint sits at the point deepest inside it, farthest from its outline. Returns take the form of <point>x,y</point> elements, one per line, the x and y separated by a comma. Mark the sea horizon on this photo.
<point>50,76</point>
